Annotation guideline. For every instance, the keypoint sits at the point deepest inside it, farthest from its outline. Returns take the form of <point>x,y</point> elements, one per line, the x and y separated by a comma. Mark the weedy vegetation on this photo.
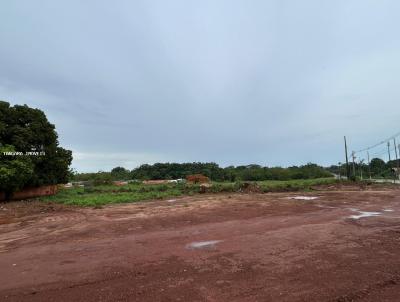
<point>134,192</point>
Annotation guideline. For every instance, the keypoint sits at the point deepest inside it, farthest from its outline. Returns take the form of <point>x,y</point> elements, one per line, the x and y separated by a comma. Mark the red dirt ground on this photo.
<point>270,248</point>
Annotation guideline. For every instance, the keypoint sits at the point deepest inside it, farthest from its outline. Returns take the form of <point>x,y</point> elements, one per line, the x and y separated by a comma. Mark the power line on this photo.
<point>380,143</point>
<point>379,153</point>
<point>382,152</point>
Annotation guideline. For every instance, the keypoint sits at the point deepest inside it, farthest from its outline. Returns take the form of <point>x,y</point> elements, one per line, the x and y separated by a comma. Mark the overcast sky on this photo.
<point>234,82</point>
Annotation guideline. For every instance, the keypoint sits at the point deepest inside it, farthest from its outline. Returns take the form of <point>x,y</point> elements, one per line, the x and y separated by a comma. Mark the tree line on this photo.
<point>211,170</point>
<point>377,168</point>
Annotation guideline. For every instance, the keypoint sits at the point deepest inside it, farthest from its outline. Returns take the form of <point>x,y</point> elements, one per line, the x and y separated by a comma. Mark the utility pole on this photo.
<point>369,166</point>
<point>347,159</point>
<point>389,164</point>
<point>398,162</point>
<point>353,155</point>
<point>397,158</point>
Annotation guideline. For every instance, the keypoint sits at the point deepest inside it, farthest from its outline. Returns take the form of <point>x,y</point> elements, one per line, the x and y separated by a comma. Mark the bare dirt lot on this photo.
<point>341,246</point>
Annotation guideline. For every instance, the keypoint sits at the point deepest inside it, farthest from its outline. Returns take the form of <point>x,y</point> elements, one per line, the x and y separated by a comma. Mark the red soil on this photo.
<point>269,248</point>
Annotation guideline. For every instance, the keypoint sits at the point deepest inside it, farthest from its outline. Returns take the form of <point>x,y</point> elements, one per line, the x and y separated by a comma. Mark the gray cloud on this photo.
<point>269,82</point>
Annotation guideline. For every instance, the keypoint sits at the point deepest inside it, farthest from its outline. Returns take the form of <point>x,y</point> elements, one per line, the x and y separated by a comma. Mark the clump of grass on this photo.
<point>294,185</point>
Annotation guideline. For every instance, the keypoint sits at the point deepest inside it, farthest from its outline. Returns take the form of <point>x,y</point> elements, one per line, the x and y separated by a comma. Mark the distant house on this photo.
<point>176,180</point>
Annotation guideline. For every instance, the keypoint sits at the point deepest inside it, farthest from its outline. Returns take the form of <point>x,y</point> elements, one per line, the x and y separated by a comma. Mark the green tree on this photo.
<point>378,167</point>
<point>120,173</point>
<point>24,129</point>
<point>15,172</point>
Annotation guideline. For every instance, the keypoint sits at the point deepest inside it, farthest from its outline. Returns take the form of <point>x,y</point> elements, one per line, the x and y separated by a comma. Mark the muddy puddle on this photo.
<point>303,197</point>
<point>364,214</point>
<point>202,244</point>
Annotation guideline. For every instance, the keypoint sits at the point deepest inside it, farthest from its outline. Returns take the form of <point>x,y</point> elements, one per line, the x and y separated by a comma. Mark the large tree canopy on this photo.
<point>40,161</point>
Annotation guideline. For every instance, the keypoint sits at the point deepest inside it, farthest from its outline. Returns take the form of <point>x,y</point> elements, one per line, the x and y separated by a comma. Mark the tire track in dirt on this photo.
<point>270,248</point>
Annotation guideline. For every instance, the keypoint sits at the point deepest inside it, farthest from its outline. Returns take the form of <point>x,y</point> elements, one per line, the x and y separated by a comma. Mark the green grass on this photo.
<point>109,194</point>
<point>294,185</point>
<point>106,194</point>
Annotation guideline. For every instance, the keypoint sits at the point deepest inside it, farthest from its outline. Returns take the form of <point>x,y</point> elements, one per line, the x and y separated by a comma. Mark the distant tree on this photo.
<point>230,174</point>
<point>101,178</point>
<point>118,170</point>
<point>214,172</point>
<point>378,167</point>
<point>120,173</point>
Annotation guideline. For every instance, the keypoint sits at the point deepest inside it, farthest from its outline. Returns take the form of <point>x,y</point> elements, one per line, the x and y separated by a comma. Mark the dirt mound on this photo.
<point>205,188</point>
<point>249,187</point>
<point>197,179</point>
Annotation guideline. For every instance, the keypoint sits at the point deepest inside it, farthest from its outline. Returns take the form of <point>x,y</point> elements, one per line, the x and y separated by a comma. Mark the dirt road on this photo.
<point>340,246</point>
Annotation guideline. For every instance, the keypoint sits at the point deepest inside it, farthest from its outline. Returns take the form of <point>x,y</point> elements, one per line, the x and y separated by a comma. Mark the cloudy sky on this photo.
<point>234,82</point>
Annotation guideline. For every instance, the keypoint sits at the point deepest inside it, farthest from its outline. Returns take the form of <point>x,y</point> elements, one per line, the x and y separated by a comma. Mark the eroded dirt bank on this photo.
<point>342,246</point>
